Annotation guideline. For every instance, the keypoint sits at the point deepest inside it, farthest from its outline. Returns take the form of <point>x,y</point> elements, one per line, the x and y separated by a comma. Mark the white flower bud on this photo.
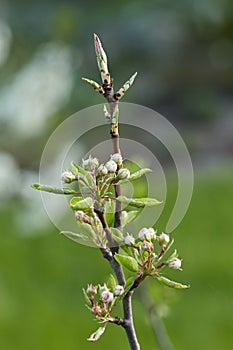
<point>90,163</point>
<point>123,174</point>
<point>164,239</point>
<point>117,158</point>
<point>102,170</point>
<point>96,310</point>
<point>147,233</point>
<point>111,166</point>
<point>175,263</point>
<point>107,296</point>
<point>119,290</point>
<point>67,176</point>
<point>91,290</point>
<point>129,240</point>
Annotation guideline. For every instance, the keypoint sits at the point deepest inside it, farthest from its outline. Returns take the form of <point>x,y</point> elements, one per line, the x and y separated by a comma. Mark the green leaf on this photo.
<point>117,235</point>
<point>86,229</point>
<point>80,203</point>
<point>128,216</point>
<point>76,237</point>
<point>87,300</point>
<point>55,190</point>
<point>109,212</point>
<point>138,202</point>
<point>136,175</point>
<point>128,284</point>
<point>127,261</point>
<point>111,283</point>
<point>79,171</point>
<point>96,335</point>
<point>171,284</point>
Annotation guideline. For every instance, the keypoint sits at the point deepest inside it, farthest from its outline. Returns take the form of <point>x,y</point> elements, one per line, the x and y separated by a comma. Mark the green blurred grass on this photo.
<point>41,304</point>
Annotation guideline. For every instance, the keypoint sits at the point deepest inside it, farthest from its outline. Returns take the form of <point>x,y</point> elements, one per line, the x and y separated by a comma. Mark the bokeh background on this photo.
<point>183,52</point>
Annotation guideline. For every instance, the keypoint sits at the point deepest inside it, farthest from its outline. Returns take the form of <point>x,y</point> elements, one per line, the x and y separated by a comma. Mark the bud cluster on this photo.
<point>101,299</point>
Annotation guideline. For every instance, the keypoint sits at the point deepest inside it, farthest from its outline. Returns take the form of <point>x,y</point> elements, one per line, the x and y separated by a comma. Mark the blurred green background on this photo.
<point>183,52</point>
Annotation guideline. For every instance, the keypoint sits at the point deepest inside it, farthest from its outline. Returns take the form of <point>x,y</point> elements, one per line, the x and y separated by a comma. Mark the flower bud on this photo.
<point>106,296</point>
<point>147,234</point>
<point>67,176</point>
<point>119,290</point>
<point>91,290</point>
<point>123,174</point>
<point>90,163</point>
<point>117,158</point>
<point>129,240</point>
<point>164,239</point>
<point>97,310</point>
<point>111,166</point>
<point>175,263</point>
<point>147,246</point>
<point>102,170</point>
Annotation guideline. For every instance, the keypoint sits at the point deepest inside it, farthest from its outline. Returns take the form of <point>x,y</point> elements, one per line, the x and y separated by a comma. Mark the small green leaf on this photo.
<point>128,284</point>
<point>79,171</point>
<point>138,202</point>
<point>96,335</point>
<point>80,203</point>
<point>111,283</point>
<point>171,284</point>
<point>117,235</point>
<point>109,212</point>
<point>87,300</point>
<point>136,175</point>
<point>54,190</point>
<point>76,237</point>
<point>128,216</point>
<point>127,261</point>
<point>86,229</point>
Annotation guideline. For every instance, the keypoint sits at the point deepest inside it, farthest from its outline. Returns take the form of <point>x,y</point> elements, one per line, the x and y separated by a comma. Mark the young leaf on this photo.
<point>128,284</point>
<point>128,216</point>
<point>136,175</point>
<point>102,60</point>
<point>80,203</point>
<point>79,171</point>
<point>96,335</point>
<point>109,212</point>
<point>76,237</point>
<point>171,284</point>
<point>117,235</point>
<point>127,261</point>
<point>120,93</point>
<point>111,283</point>
<point>138,202</point>
<point>87,300</point>
<point>86,229</point>
<point>54,190</point>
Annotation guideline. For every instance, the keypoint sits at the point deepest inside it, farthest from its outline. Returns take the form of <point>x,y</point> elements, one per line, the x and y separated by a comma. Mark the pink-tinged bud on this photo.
<point>90,163</point>
<point>129,240</point>
<point>147,233</point>
<point>123,174</point>
<point>79,215</point>
<point>119,290</point>
<point>164,239</point>
<point>147,246</point>
<point>97,310</point>
<point>91,290</point>
<point>117,158</point>
<point>111,166</point>
<point>175,263</point>
<point>106,296</point>
<point>102,170</point>
<point>67,176</point>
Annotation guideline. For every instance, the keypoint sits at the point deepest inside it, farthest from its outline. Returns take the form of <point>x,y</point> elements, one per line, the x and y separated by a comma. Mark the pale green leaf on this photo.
<point>128,216</point>
<point>127,261</point>
<point>171,283</point>
<point>138,202</point>
<point>80,203</point>
<point>76,237</point>
<point>109,212</point>
<point>111,283</point>
<point>55,190</point>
